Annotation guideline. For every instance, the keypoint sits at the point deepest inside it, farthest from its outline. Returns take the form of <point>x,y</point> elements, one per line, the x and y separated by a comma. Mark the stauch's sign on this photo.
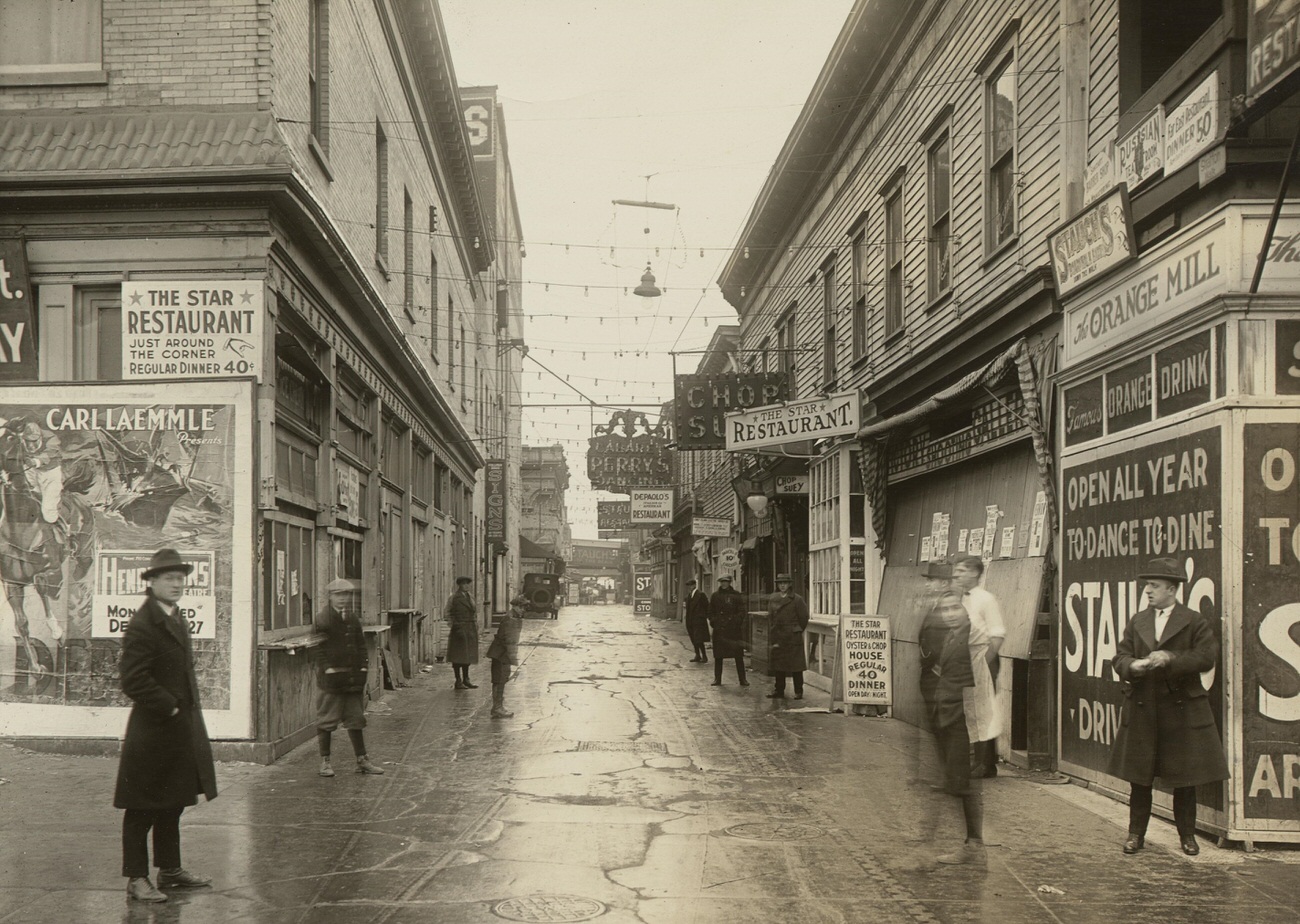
<point>628,453</point>
<point>613,514</point>
<point>812,419</point>
<point>494,477</point>
<point>701,403</point>
<point>17,333</point>
<point>1095,241</point>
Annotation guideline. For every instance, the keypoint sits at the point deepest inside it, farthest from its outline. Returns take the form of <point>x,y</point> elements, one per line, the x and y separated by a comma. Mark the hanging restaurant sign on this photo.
<point>628,453</point>
<point>1272,52</point>
<point>18,362</point>
<point>701,402</point>
<point>1095,241</point>
<point>811,419</point>
<point>613,514</point>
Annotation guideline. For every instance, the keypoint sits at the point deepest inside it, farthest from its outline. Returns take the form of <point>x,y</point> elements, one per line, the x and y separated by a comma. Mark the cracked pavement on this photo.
<point>626,789</point>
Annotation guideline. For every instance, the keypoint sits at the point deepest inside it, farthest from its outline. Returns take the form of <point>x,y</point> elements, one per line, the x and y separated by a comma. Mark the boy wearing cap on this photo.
<point>1168,729</point>
<point>727,617</point>
<point>504,652</point>
<point>462,633</point>
<point>166,755</point>
<point>342,667</point>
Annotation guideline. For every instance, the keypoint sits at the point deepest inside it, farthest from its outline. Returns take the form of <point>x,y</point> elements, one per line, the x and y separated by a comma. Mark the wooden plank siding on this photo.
<point>1103,75</point>
<point>933,68</point>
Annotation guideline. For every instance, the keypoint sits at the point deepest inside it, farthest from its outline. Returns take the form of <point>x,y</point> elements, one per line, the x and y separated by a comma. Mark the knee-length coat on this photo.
<point>1167,727</point>
<point>166,759</point>
<point>727,617</point>
<point>697,617</point>
<point>787,617</point>
<point>462,637</point>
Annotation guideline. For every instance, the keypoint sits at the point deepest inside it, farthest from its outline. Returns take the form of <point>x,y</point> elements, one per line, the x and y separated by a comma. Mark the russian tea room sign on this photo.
<point>191,328</point>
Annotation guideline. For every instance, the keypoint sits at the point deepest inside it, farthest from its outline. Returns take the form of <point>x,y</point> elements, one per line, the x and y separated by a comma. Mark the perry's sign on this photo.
<point>813,419</point>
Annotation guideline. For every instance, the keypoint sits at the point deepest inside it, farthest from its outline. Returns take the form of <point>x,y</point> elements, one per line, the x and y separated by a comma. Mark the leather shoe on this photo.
<point>1190,847</point>
<point>470,686</point>
<point>776,696</point>
<point>181,879</point>
<point>1134,843</point>
<point>142,890</point>
<point>744,683</point>
<point>716,683</point>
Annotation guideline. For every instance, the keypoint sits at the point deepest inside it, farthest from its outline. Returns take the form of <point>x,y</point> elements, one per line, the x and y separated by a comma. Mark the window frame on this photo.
<point>381,199</point>
<point>318,81</point>
<point>1002,61</point>
<point>894,251</point>
<point>87,70</point>
<point>938,224</point>
<point>830,344</point>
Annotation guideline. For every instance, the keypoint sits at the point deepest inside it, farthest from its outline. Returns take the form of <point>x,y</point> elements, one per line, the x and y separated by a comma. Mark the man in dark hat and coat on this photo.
<point>697,621</point>
<point>1168,728</point>
<point>462,633</point>
<point>342,668</point>
<point>787,617</point>
<point>166,755</point>
<point>727,617</point>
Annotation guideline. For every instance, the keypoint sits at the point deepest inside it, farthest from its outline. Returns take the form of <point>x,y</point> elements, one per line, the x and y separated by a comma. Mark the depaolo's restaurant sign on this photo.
<point>1213,257</point>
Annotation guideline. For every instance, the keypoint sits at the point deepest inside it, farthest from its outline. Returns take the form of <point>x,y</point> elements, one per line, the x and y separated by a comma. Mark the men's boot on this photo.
<point>499,702</point>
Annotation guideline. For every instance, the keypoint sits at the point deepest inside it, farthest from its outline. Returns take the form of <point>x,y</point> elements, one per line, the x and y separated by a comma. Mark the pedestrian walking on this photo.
<point>1168,729</point>
<point>504,653</point>
<point>166,755</point>
<point>727,619</point>
<point>342,668</point>
<point>462,637</point>
<point>987,632</point>
<point>697,621</point>
<point>787,617</point>
<point>946,678</point>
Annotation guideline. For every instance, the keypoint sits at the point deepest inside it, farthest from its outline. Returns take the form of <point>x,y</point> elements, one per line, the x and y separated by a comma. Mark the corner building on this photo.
<point>257,325</point>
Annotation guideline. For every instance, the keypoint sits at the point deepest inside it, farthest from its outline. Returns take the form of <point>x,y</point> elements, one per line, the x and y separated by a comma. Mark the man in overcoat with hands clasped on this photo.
<point>727,619</point>
<point>697,621</point>
<point>1167,729</point>
<point>787,618</point>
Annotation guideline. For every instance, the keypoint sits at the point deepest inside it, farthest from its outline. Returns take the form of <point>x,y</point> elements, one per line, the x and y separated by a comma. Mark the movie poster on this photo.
<point>94,479</point>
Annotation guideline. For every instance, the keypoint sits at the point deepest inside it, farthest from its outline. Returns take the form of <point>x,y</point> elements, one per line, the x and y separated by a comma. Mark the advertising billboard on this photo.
<point>642,589</point>
<point>96,478</point>
<point>178,328</point>
<point>701,403</point>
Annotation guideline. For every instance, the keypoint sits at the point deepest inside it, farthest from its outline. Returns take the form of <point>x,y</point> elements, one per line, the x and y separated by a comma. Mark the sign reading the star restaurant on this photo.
<point>811,419</point>
<point>191,328</point>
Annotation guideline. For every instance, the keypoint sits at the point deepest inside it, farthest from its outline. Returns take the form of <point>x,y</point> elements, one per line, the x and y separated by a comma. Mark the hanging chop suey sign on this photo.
<point>812,419</point>
<point>628,453</point>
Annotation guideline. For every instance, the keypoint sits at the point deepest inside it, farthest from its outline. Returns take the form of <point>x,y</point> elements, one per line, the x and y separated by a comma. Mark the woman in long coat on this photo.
<point>462,636</point>
<point>787,618</point>
<point>166,755</point>
<point>1167,727</point>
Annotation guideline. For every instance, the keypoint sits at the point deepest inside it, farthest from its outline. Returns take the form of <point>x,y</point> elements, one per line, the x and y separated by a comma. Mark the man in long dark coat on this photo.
<point>166,755</point>
<point>787,617</point>
<point>462,635</point>
<point>1167,729</point>
<point>697,621</point>
<point>727,617</point>
<point>342,670</point>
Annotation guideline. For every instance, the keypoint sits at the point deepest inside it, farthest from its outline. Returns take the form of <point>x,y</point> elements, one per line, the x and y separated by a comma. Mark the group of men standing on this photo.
<point>722,621</point>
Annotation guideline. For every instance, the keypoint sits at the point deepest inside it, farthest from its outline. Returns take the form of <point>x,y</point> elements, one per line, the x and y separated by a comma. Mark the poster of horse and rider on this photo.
<point>93,479</point>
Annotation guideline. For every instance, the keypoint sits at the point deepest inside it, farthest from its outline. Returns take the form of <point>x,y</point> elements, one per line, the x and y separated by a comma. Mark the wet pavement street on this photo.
<point>626,789</point>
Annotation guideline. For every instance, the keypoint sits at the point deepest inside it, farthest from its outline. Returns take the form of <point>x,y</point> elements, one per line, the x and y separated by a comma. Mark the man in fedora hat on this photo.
<point>462,633</point>
<point>166,755</point>
<point>787,617</point>
<point>727,618</point>
<point>342,668</point>
<point>1168,728</point>
<point>697,621</point>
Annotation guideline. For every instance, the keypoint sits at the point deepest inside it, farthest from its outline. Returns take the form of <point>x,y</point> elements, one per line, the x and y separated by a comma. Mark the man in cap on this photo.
<point>727,617</point>
<point>462,633</point>
<point>504,652</point>
<point>1168,729</point>
<point>787,617</point>
<point>342,667</point>
<point>166,755</point>
<point>697,621</point>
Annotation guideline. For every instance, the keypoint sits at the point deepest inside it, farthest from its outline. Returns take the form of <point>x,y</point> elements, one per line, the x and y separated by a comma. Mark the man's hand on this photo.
<point>1139,667</point>
<point>1160,658</point>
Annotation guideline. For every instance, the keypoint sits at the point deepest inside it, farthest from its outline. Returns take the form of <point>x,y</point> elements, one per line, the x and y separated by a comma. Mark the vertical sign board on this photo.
<point>651,506</point>
<point>866,657</point>
<point>1158,495</point>
<point>642,589</point>
<point>494,478</point>
<point>188,328</point>
<point>1269,777</point>
<point>124,469</point>
<point>18,360</point>
<point>613,514</point>
<point>1272,52</point>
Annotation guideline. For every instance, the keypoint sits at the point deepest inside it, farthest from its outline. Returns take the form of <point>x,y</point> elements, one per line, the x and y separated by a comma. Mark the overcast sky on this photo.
<point>697,94</point>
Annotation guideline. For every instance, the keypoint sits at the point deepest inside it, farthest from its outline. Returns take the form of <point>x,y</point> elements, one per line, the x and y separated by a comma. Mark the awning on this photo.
<point>530,549</point>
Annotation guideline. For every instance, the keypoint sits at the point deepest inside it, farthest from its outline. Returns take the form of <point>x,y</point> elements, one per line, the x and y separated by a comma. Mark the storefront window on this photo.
<point>289,573</point>
<point>824,534</point>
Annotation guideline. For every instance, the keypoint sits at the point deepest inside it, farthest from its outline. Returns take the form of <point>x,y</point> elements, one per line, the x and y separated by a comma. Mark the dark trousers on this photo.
<point>717,667</point>
<point>780,681</point>
<point>166,826</point>
<point>1139,809</point>
<point>700,651</point>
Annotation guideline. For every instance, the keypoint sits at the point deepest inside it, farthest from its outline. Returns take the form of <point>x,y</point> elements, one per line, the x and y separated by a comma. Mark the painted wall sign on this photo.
<point>1140,154</point>
<point>701,402</point>
<point>866,655</point>
<point>494,481</point>
<point>1097,240</point>
<point>1162,497</point>
<point>1270,572</point>
<point>651,506</point>
<point>1085,412</point>
<point>613,514</point>
<point>1183,374</point>
<point>1273,44</point>
<point>1193,125</point>
<point>815,418</point>
<point>192,328</point>
<point>710,527</point>
<point>18,356</point>
<point>1129,400</point>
